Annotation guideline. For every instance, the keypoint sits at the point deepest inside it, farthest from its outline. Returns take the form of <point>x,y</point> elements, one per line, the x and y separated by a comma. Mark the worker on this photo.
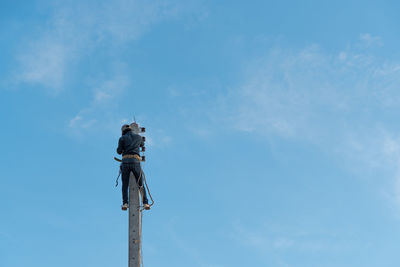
<point>129,146</point>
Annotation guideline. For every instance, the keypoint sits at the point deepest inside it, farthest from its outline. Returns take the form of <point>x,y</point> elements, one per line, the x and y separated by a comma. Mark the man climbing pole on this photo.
<point>129,146</point>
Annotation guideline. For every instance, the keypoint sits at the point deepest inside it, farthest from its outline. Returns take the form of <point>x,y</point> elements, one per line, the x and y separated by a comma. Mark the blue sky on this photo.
<point>271,125</point>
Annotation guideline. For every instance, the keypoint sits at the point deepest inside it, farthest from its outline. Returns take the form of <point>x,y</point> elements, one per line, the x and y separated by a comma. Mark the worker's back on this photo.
<point>129,144</point>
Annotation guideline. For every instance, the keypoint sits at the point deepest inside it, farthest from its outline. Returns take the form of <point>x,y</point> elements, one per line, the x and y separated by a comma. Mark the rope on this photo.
<point>145,183</point>
<point>147,187</point>
<point>116,181</point>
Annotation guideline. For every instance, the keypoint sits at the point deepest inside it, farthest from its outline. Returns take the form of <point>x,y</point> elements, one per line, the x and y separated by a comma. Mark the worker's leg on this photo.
<point>125,172</point>
<point>137,171</point>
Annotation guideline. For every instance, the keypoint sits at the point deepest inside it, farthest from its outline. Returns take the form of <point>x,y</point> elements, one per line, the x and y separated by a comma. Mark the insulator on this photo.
<point>142,129</point>
<point>143,158</point>
<point>144,139</point>
<point>143,148</point>
<point>135,127</point>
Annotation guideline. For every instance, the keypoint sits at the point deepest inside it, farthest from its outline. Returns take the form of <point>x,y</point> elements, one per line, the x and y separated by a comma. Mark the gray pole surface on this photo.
<point>134,221</point>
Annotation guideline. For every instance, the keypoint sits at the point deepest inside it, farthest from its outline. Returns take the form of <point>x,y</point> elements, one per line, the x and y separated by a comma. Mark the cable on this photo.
<point>119,174</point>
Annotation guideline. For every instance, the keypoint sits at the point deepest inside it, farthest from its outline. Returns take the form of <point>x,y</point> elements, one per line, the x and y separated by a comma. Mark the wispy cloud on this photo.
<point>45,64</point>
<point>370,40</point>
<point>62,52</point>
<point>300,94</point>
<point>101,112</point>
<point>267,238</point>
<point>342,101</point>
<point>73,31</point>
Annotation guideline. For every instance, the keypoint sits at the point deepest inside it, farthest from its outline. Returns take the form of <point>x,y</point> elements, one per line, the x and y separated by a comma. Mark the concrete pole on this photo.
<point>134,220</point>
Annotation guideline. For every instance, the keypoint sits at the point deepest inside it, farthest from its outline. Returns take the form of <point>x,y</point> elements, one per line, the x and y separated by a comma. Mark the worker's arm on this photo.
<point>120,146</point>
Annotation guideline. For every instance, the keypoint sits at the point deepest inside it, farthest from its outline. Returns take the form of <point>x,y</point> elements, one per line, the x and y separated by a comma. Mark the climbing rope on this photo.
<point>144,182</point>
<point>116,181</point>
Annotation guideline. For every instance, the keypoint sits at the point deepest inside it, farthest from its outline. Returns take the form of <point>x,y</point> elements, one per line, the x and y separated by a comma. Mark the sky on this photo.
<point>271,126</point>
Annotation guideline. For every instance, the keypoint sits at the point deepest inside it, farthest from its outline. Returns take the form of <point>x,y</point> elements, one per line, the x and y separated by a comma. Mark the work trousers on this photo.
<point>126,169</point>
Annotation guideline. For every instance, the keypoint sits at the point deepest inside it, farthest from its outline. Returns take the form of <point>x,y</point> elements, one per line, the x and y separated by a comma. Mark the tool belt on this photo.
<point>132,157</point>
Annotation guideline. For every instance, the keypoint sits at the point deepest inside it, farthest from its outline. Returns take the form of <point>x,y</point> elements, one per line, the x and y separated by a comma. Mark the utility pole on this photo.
<point>135,211</point>
<point>134,223</point>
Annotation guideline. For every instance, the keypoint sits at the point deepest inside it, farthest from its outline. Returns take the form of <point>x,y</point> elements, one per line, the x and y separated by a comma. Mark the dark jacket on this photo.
<point>129,144</point>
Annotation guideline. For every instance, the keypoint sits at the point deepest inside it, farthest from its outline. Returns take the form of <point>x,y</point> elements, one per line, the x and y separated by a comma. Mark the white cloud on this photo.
<point>272,239</point>
<point>74,121</point>
<point>74,31</point>
<point>309,92</point>
<point>158,139</point>
<point>108,91</point>
<point>101,112</point>
<point>343,102</point>
<point>370,40</point>
<point>80,122</point>
<point>45,64</point>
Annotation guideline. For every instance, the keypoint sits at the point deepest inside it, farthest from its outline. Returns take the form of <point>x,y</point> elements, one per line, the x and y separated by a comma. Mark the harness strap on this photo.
<point>134,156</point>
<point>116,181</point>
